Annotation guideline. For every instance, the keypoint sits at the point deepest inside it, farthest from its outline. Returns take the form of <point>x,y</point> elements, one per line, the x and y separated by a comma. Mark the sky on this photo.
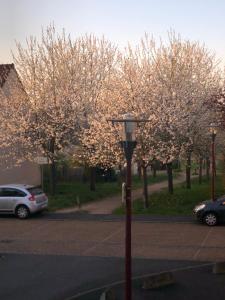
<point>118,20</point>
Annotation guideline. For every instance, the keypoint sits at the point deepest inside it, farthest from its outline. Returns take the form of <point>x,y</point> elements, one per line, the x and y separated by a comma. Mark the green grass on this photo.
<point>181,202</point>
<point>137,183</point>
<point>67,193</point>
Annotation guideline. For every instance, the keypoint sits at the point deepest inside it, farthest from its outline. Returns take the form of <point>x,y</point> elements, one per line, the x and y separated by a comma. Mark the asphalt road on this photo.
<point>85,216</point>
<point>51,277</point>
<point>50,257</point>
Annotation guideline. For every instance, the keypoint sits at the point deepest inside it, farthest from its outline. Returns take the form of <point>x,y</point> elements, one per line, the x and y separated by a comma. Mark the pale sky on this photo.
<point>119,20</point>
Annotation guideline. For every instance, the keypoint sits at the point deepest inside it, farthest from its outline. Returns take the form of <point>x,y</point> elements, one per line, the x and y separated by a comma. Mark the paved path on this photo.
<point>107,205</point>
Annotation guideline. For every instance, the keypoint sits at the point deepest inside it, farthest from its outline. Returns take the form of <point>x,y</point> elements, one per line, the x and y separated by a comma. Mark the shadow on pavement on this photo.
<point>60,277</point>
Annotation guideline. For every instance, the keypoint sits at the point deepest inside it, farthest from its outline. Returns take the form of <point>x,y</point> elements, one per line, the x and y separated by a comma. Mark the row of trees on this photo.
<point>73,87</point>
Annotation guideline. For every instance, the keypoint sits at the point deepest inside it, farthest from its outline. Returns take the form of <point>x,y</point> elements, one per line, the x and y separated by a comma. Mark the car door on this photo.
<point>9,197</point>
<point>2,201</point>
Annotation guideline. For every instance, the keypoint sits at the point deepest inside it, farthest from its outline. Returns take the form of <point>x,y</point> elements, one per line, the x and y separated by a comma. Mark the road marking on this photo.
<point>135,278</point>
<point>102,241</point>
<point>202,244</point>
<point>35,228</point>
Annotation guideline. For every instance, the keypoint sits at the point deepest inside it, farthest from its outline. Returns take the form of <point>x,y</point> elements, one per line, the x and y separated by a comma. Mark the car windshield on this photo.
<point>35,191</point>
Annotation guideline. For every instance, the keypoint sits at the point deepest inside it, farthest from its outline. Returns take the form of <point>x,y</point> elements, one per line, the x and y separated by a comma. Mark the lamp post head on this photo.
<point>127,130</point>
<point>213,129</point>
<point>129,127</point>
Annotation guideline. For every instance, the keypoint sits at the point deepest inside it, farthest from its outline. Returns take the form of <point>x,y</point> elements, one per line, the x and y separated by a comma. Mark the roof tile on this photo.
<point>4,72</point>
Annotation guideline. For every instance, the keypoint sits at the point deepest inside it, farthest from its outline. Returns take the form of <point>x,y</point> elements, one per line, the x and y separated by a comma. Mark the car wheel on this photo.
<point>210,219</point>
<point>22,212</point>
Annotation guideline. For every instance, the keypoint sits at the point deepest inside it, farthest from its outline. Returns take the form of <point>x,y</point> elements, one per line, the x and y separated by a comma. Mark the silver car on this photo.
<point>22,200</point>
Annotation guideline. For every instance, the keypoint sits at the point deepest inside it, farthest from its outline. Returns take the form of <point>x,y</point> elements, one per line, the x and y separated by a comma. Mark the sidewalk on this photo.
<point>107,205</point>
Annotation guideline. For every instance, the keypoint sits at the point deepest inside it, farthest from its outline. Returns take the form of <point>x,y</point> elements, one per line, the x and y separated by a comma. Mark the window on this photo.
<point>35,191</point>
<point>10,192</point>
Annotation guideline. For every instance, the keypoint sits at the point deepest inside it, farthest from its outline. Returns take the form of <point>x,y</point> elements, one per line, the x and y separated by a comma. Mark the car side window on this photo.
<point>10,192</point>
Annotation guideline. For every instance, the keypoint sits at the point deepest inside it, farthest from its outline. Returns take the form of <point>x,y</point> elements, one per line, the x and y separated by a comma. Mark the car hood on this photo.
<point>205,202</point>
<point>210,201</point>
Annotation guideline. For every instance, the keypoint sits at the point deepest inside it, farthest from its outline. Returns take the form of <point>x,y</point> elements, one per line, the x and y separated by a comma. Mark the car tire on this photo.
<point>210,219</point>
<point>22,212</point>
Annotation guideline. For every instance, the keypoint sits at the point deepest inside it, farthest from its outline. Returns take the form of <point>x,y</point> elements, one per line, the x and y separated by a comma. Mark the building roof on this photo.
<point>4,72</point>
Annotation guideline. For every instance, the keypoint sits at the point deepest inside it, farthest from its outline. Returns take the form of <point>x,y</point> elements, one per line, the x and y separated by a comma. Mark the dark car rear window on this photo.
<point>35,191</point>
<point>11,192</point>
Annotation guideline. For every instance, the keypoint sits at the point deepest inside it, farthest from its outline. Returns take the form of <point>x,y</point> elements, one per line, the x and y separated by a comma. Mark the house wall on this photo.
<point>26,173</point>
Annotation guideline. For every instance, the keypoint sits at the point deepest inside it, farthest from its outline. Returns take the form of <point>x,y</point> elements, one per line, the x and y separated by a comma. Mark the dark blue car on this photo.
<point>211,212</point>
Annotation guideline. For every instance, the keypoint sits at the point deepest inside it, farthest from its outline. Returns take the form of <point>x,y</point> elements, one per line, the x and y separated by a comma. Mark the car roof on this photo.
<point>17,185</point>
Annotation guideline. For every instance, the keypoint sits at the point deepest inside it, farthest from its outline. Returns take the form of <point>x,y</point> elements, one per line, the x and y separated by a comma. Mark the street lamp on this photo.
<point>213,132</point>
<point>128,144</point>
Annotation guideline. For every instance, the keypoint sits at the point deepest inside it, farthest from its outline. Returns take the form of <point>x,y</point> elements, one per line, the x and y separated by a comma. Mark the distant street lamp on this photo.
<point>213,131</point>
<point>128,143</point>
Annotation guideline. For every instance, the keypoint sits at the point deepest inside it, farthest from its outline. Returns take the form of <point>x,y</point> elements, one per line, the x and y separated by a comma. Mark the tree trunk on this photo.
<point>65,172</point>
<point>53,177</point>
<point>200,171</point>
<point>145,187</point>
<point>188,171</point>
<point>92,178</point>
<point>154,170</point>
<point>51,148</point>
<point>139,170</point>
<point>223,169</point>
<point>178,165</point>
<point>123,172</point>
<point>204,164</point>
<point>170,177</point>
<point>85,174</point>
<point>119,176</point>
<point>207,168</point>
<point>214,166</point>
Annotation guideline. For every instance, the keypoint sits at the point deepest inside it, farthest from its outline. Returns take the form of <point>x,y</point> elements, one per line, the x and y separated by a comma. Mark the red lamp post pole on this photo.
<point>128,148</point>
<point>213,167</point>
<point>128,271</point>
<point>128,144</point>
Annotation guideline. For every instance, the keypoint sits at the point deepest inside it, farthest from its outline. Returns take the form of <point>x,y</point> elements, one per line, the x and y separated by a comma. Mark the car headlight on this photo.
<point>199,207</point>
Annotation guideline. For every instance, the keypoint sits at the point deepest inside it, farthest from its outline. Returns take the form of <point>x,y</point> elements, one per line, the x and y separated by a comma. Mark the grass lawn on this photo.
<point>181,202</point>
<point>137,183</point>
<point>67,193</point>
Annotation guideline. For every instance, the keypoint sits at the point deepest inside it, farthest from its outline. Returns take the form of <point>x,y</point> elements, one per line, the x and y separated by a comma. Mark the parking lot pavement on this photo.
<point>84,216</point>
<point>54,277</point>
<point>54,259</point>
<point>185,241</point>
<point>191,283</point>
